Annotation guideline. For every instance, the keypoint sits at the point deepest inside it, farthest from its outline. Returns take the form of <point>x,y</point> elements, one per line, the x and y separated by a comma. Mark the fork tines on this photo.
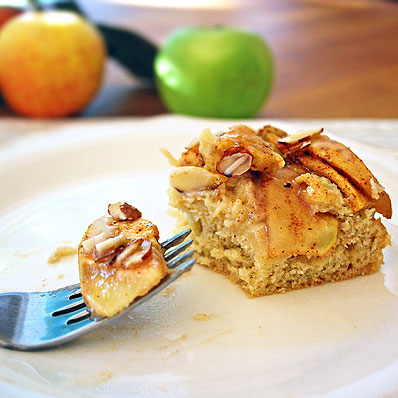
<point>175,240</point>
<point>33,321</point>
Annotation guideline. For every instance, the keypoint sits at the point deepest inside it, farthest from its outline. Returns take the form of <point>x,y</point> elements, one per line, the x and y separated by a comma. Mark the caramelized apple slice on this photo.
<point>292,227</point>
<point>350,166</point>
<point>270,133</point>
<point>353,197</point>
<point>344,160</point>
<point>383,205</point>
<point>122,261</point>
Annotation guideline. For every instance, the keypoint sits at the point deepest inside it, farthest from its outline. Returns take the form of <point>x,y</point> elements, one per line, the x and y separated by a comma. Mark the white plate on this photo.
<point>331,341</point>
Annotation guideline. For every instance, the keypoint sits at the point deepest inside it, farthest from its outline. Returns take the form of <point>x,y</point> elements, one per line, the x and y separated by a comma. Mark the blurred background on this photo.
<point>332,58</point>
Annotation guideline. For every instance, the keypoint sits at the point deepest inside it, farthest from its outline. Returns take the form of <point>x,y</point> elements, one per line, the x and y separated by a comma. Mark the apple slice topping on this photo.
<point>242,149</point>
<point>350,166</point>
<point>353,197</point>
<point>120,263</point>
<point>333,160</point>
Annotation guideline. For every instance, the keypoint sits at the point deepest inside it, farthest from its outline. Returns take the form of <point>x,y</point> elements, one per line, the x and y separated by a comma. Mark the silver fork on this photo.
<point>31,321</point>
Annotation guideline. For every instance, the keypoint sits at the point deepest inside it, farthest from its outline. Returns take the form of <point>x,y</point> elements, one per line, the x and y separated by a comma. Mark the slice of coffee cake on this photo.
<point>276,212</point>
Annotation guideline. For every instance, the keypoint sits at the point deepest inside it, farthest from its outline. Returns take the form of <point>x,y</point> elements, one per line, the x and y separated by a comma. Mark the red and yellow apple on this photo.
<point>51,63</point>
<point>6,13</point>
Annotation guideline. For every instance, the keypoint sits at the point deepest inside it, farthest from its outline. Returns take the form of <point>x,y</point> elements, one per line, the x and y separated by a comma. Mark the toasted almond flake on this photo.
<point>193,143</point>
<point>129,250</point>
<point>172,160</point>
<point>139,255</point>
<point>207,142</point>
<point>115,211</point>
<point>89,244</point>
<point>193,178</point>
<point>376,188</point>
<point>123,211</point>
<point>207,137</point>
<point>131,212</point>
<point>99,226</point>
<point>300,135</point>
<point>236,164</point>
<point>146,247</point>
<point>108,245</point>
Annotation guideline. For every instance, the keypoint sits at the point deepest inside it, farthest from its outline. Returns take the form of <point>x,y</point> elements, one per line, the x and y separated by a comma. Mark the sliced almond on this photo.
<point>89,244</point>
<point>207,149</point>
<point>122,212</point>
<point>193,143</point>
<point>131,212</point>
<point>192,178</point>
<point>103,248</point>
<point>290,139</point>
<point>235,165</point>
<point>139,255</point>
<point>207,138</point>
<point>172,160</point>
<point>99,226</point>
<point>115,212</point>
<point>128,251</point>
<point>241,140</point>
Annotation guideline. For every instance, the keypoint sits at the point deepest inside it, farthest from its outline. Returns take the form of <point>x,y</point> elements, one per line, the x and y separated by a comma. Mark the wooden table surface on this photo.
<point>333,58</point>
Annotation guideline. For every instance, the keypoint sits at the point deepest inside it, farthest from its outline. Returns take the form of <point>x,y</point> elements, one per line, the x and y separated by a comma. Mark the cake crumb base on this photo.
<point>361,239</point>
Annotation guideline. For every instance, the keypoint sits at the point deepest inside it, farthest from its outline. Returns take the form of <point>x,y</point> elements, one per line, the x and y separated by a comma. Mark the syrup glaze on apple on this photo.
<point>109,285</point>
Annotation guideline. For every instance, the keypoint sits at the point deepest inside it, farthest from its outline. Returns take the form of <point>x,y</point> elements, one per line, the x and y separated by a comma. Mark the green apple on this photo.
<point>218,72</point>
